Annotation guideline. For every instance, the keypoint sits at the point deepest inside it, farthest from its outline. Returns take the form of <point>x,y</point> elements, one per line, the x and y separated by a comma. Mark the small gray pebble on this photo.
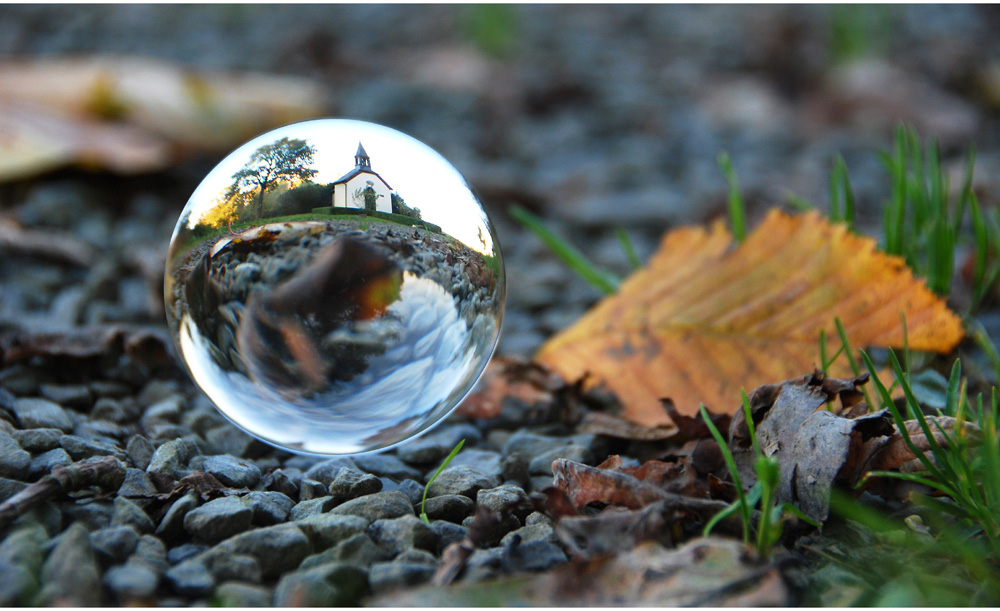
<point>506,498</point>
<point>396,535</point>
<point>172,522</point>
<point>36,413</point>
<point>436,445</point>
<point>326,530</point>
<point>532,556</point>
<point>109,388</point>
<point>356,550</point>
<point>156,390</point>
<point>15,463</point>
<point>132,582</point>
<point>389,576</point>
<point>137,486</point>
<point>239,567</point>
<point>381,505</point>
<point>80,448</point>
<point>179,554</point>
<point>538,531</point>
<point>170,459</point>
<point>386,465</point>
<point>483,461</point>
<point>92,515</point>
<point>448,533</point>
<point>150,552</point>
<point>38,440</point>
<point>304,509</point>
<point>140,451</point>
<point>462,480</point>
<point>416,556</point>
<point>450,507</point>
<point>279,481</point>
<point>231,471</point>
<point>109,409</point>
<point>75,395</point>
<point>278,548</point>
<point>269,507</point>
<point>70,575</point>
<point>311,489</point>
<point>114,543</point>
<point>350,484</point>
<point>190,578</point>
<point>219,519</point>
<point>43,463</point>
<point>9,488</point>
<point>127,513</point>
<point>328,585</point>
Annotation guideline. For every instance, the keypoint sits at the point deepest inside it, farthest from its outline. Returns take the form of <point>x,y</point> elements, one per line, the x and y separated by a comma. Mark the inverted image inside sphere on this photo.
<point>334,287</point>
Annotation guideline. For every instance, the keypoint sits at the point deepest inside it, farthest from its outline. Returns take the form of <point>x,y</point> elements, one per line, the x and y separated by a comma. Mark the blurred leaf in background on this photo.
<point>133,115</point>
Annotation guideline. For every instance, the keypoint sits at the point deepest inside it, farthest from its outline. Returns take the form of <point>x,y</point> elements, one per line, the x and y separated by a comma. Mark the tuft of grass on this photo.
<point>771,516</point>
<point>444,465</point>
<point>841,194</point>
<point>737,208</point>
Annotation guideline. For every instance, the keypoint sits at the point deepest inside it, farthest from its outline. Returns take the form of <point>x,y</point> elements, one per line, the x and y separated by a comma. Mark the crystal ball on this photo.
<point>334,287</point>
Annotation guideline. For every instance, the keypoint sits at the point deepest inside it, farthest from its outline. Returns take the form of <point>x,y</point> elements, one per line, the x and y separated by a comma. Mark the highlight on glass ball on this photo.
<point>334,287</point>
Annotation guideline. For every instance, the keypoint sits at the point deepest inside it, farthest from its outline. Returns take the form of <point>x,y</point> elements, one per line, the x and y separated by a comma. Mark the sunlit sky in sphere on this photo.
<point>418,174</point>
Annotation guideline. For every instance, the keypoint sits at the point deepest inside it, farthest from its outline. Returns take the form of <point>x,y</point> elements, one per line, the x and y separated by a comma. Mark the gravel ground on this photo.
<point>593,117</point>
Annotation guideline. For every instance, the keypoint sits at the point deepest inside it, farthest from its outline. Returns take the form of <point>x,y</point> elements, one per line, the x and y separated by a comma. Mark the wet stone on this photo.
<point>305,509</point>
<point>127,513</point>
<point>231,471</point>
<point>350,484</point>
<point>465,481</point>
<point>450,507</point>
<point>387,465</point>
<point>43,463</point>
<point>75,395</point>
<point>389,576</point>
<point>42,414</point>
<point>268,507</point>
<point>38,440</point>
<point>239,594</point>
<point>70,574</point>
<point>219,519</point>
<point>436,445</point>
<point>326,530</point>
<point>381,505</point>
<point>329,585</point>
<point>140,451</point>
<point>400,534</point>
<point>15,463</point>
<point>114,543</point>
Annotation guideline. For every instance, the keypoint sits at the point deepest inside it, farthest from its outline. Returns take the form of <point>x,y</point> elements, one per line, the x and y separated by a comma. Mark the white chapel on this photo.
<point>349,189</point>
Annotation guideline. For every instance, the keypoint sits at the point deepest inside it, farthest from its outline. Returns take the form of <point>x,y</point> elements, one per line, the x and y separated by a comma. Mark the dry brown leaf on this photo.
<point>509,377</point>
<point>130,114</point>
<point>704,320</point>
<point>815,448</point>
<point>895,455</point>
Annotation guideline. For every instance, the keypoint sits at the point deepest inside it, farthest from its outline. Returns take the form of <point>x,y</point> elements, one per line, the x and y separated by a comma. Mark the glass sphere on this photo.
<point>334,287</point>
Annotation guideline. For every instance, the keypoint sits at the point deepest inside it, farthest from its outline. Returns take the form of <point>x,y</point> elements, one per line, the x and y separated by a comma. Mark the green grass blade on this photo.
<point>444,465</point>
<point>737,209</point>
<point>603,281</point>
<point>745,509</point>
<point>845,345</point>
<point>628,249</point>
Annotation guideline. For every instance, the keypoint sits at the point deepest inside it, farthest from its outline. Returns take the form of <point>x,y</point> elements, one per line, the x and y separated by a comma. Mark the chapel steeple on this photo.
<point>361,159</point>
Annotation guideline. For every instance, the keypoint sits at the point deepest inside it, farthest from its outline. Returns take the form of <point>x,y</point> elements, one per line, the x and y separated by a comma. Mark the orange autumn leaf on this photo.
<point>704,320</point>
